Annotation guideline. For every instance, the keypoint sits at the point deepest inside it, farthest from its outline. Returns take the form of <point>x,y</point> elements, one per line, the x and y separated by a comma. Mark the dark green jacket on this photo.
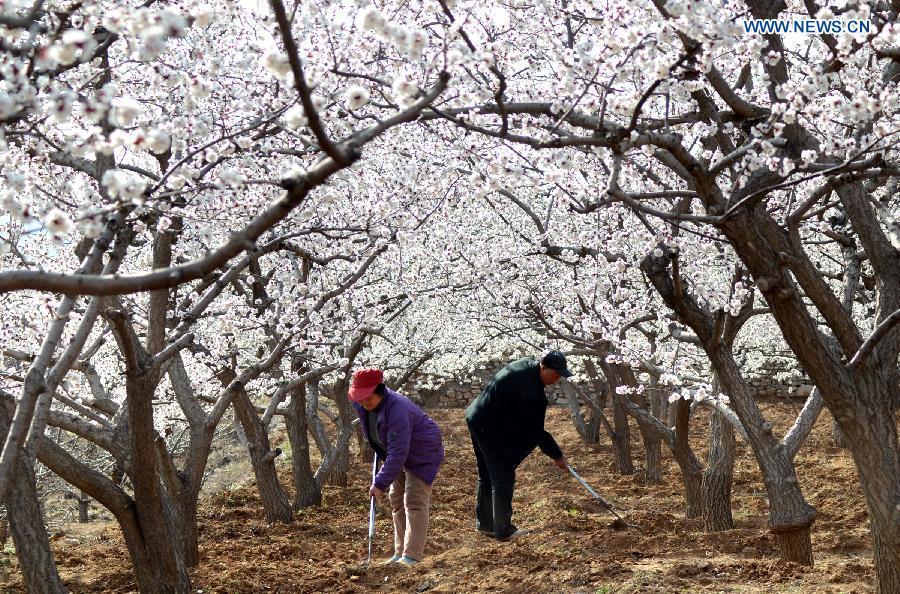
<point>509,413</point>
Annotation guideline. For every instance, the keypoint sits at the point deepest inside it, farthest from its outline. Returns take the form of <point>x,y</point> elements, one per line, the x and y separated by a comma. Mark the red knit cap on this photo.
<point>364,383</point>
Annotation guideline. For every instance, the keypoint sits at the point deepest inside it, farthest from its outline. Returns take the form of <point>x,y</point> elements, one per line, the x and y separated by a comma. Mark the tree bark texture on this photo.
<point>588,428</point>
<point>84,503</point>
<point>715,498</point>
<point>339,466</point>
<point>308,491</point>
<point>691,469</point>
<point>167,569</point>
<point>677,440</point>
<point>156,524</point>
<point>621,438</point>
<point>4,528</point>
<point>26,522</point>
<point>625,377</point>
<point>272,494</point>
<point>837,436</point>
<point>653,442</point>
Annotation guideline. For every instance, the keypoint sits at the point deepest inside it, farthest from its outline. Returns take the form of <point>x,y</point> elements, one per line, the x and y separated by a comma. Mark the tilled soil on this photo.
<point>572,544</point>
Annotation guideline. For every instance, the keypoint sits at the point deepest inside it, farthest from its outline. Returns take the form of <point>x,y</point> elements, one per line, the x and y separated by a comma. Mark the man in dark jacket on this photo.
<point>506,422</point>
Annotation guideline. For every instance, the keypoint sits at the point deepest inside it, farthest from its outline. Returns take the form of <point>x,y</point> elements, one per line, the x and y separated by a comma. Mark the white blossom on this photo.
<point>356,97</point>
<point>278,64</point>
<point>295,117</point>
<point>403,87</point>
<point>124,112</point>
<point>61,102</point>
<point>158,141</point>
<point>371,19</point>
<point>58,222</point>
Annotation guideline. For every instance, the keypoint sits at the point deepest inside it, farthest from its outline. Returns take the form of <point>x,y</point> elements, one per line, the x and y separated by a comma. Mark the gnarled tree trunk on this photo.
<point>152,574</point>
<point>621,438</point>
<point>677,440</point>
<point>165,570</point>
<point>272,495</point>
<point>790,516</point>
<point>691,469</point>
<point>262,457</point>
<point>653,443</point>
<point>26,521</point>
<point>588,427</point>
<point>715,495</point>
<point>308,490</point>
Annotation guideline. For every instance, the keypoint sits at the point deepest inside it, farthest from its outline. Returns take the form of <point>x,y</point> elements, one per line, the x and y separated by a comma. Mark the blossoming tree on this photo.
<point>172,172</point>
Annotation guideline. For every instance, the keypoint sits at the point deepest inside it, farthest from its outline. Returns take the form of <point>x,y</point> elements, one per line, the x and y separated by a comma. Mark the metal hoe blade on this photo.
<point>600,499</point>
<point>372,511</point>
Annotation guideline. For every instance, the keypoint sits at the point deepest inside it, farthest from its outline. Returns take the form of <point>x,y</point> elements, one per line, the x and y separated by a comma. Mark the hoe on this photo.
<point>619,522</point>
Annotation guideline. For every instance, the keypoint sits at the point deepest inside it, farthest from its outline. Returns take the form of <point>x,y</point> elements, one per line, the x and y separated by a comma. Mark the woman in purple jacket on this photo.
<point>410,444</point>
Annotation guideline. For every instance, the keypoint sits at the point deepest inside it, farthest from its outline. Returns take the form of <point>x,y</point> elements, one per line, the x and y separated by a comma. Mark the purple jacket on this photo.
<point>413,440</point>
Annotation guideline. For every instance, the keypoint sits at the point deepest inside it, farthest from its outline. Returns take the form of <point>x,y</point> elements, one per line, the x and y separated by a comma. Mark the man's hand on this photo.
<point>562,462</point>
<point>375,492</point>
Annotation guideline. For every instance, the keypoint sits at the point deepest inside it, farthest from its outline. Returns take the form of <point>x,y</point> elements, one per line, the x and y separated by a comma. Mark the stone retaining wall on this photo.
<point>455,393</point>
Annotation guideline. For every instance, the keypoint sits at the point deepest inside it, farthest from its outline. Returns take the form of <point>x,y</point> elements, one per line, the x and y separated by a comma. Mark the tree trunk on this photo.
<point>860,397</point>
<point>795,545</point>
<point>875,450</point>
<point>588,429</point>
<point>838,437</point>
<point>677,440</point>
<point>185,529</point>
<point>308,491</point>
<point>146,568</point>
<point>652,449</point>
<point>340,463</point>
<point>652,444</point>
<point>273,496</point>
<point>165,570</point>
<point>26,521</point>
<point>83,507</point>
<point>653,472</point>
<point>239,434</point>
<point>715,498</point>
<point>790,516</point>
<point>151,570</point>
<point>653,454</point>
<point>887,560</point>
<point>4,529</point>
<point>169,572</point>
<point>691,469</point>
<point>622,438</point>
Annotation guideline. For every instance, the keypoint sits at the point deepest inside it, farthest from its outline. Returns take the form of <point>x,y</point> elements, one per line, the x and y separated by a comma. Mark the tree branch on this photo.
<point>869,345</point>
<point>337,153</point>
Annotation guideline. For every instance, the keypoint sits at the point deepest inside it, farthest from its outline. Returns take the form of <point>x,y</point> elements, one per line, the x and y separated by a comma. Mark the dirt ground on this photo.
<point>571,546</point>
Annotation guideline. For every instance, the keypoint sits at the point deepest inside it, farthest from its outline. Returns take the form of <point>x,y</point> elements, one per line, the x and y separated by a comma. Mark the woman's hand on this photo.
<point>375,492</point>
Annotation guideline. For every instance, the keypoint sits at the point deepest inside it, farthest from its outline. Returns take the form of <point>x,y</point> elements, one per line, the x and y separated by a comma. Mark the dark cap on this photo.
<point>557,362</point>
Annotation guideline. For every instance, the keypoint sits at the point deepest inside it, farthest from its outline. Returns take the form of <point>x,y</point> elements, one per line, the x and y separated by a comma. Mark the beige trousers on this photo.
<point>410,500</point>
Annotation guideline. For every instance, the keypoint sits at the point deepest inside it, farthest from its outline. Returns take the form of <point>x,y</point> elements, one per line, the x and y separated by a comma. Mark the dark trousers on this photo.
<point>496,480</point>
